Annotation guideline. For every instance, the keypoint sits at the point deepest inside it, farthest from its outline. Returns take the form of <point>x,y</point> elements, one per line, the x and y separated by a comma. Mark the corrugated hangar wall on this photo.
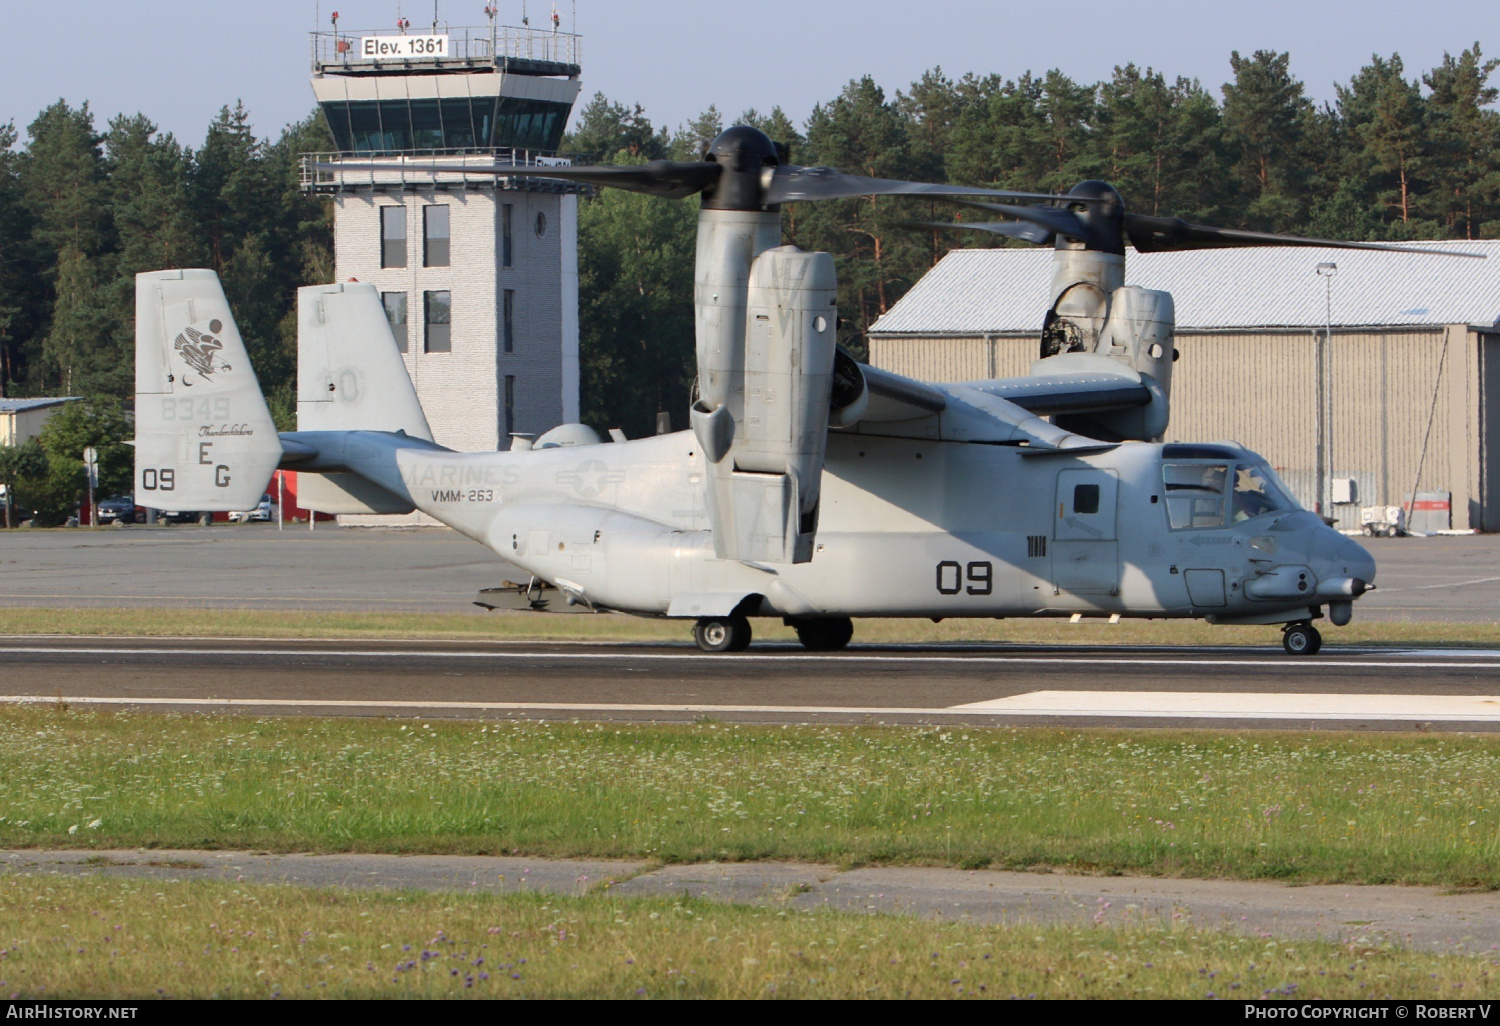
<point>1258,387</point>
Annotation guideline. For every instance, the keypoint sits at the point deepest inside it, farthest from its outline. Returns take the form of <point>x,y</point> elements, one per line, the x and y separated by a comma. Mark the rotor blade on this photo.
<point>1167,234</point>
<point>1010,229</point>
<point>792,184</point>
<point>1054,219</point>
<point>669,179</point>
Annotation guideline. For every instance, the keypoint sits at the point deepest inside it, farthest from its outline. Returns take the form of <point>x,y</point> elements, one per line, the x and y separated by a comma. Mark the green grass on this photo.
<point>1417,809</point>
<point>109,938</point>
<point>259,623</point>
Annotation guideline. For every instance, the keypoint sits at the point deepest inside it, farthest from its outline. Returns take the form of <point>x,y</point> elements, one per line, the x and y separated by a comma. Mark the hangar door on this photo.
<point>1085,546</point>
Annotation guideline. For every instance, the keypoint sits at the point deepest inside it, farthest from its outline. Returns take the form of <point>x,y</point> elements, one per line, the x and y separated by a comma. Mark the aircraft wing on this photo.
<point>893,397</point>
<point>1051,394</point>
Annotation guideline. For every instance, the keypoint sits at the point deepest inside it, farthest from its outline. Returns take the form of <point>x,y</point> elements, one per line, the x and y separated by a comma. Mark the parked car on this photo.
<point>121,509</point>
<point>265,511</point>
<point>185,516</point>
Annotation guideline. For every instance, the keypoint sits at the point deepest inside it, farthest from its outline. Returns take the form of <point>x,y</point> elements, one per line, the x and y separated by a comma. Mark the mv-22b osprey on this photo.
<point>811,487</point>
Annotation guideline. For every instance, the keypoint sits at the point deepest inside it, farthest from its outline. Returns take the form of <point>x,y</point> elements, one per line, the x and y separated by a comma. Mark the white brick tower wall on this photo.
<point>462,391</point>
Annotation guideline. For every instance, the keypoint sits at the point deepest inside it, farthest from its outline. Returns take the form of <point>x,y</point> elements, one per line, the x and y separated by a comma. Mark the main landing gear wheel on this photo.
<point>722,634</point>
<point>1301,639</point>
<point>825,634</point>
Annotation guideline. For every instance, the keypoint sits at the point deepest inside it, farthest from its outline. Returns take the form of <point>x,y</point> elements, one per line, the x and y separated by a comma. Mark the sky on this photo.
<point>179,61</point>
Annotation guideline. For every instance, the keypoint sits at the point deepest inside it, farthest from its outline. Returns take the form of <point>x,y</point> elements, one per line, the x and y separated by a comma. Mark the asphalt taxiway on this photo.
<point>1373,688</point>
<point>255,566</point>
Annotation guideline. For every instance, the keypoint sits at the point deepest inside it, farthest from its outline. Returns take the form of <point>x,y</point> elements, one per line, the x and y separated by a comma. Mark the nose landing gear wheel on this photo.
<point>825,634</point>
<point>1301,639</point>
<point>722,634</point>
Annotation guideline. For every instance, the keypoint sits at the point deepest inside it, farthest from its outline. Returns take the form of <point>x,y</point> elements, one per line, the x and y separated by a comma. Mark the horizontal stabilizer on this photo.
<point>205,440</point>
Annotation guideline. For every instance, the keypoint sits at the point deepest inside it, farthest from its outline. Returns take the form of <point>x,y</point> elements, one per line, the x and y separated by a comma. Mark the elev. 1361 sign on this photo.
<point>402,48</point>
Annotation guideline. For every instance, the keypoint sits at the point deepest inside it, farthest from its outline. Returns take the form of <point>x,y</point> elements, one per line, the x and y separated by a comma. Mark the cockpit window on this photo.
<point>1195,494</point>
<point>1257,492</point>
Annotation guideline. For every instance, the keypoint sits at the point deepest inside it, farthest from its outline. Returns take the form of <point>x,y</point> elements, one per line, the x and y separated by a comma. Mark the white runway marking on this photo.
<point>573,707</point>
<point>794,657</point>
<point>1071,704</point>
<point>1229,706</point>
<point>1431,587</point>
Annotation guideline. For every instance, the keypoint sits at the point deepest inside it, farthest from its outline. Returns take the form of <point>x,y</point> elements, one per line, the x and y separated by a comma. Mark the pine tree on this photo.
<point>65,179</point>
<point>231,189</point>
<point>1381,126</point>
<point>149,197</point>
<point>1266,116</point>
<point>635,309</point>
<point>691,140</point>
<point>148,184</point>
<point>932,106</point>
<point>777,126</point>
<point>1466,138</point>
<point>20,309</point>
<point>863,133</point>
<point>65,182</point>
<point>81,348</point>
<point>1197,186</point>
<point>1001,140</point>
<point>612,133</point>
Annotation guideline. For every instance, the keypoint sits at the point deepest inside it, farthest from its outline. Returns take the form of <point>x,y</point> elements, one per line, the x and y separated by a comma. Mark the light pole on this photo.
<point>1324,428</point>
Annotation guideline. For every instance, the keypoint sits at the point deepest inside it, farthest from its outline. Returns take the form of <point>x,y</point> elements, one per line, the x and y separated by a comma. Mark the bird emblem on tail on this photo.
<point>200,350</point>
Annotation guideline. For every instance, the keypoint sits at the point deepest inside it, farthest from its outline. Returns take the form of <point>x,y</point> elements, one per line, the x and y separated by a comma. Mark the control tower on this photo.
<point>479,275</point>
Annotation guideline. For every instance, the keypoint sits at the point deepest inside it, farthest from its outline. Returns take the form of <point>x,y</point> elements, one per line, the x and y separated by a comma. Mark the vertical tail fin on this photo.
<point>350,375</point>
<point>204,437</point>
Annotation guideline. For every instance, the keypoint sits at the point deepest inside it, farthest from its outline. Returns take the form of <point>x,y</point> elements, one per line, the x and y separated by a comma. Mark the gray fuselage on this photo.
<point>908,528</point>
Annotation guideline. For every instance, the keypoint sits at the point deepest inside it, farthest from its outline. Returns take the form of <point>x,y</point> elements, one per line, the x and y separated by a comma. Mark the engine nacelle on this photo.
<point>1094,313</point>
<point>767,436</point>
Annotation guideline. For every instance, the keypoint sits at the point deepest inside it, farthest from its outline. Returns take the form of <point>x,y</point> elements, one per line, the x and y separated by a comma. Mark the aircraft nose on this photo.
<point>1348,559</point>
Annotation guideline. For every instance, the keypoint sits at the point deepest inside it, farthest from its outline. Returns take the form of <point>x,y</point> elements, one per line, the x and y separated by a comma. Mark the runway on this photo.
<point>1346,688</point>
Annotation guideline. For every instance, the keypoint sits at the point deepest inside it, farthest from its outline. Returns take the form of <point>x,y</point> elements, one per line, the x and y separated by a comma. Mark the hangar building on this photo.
<point>21,420</point>
<point>1415,342</point>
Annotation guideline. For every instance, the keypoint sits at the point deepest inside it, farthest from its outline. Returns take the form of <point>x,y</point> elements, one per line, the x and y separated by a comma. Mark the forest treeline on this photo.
<point>1398,154</point>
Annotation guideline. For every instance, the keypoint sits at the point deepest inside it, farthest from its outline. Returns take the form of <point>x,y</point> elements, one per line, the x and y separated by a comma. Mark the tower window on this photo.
<point>507,245</point>
<point>435,236</point>
<point>510,405</point>
<point>392,236</point>
<point>395,312</point>
<point>438,316</point>
<point>510,320</point>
